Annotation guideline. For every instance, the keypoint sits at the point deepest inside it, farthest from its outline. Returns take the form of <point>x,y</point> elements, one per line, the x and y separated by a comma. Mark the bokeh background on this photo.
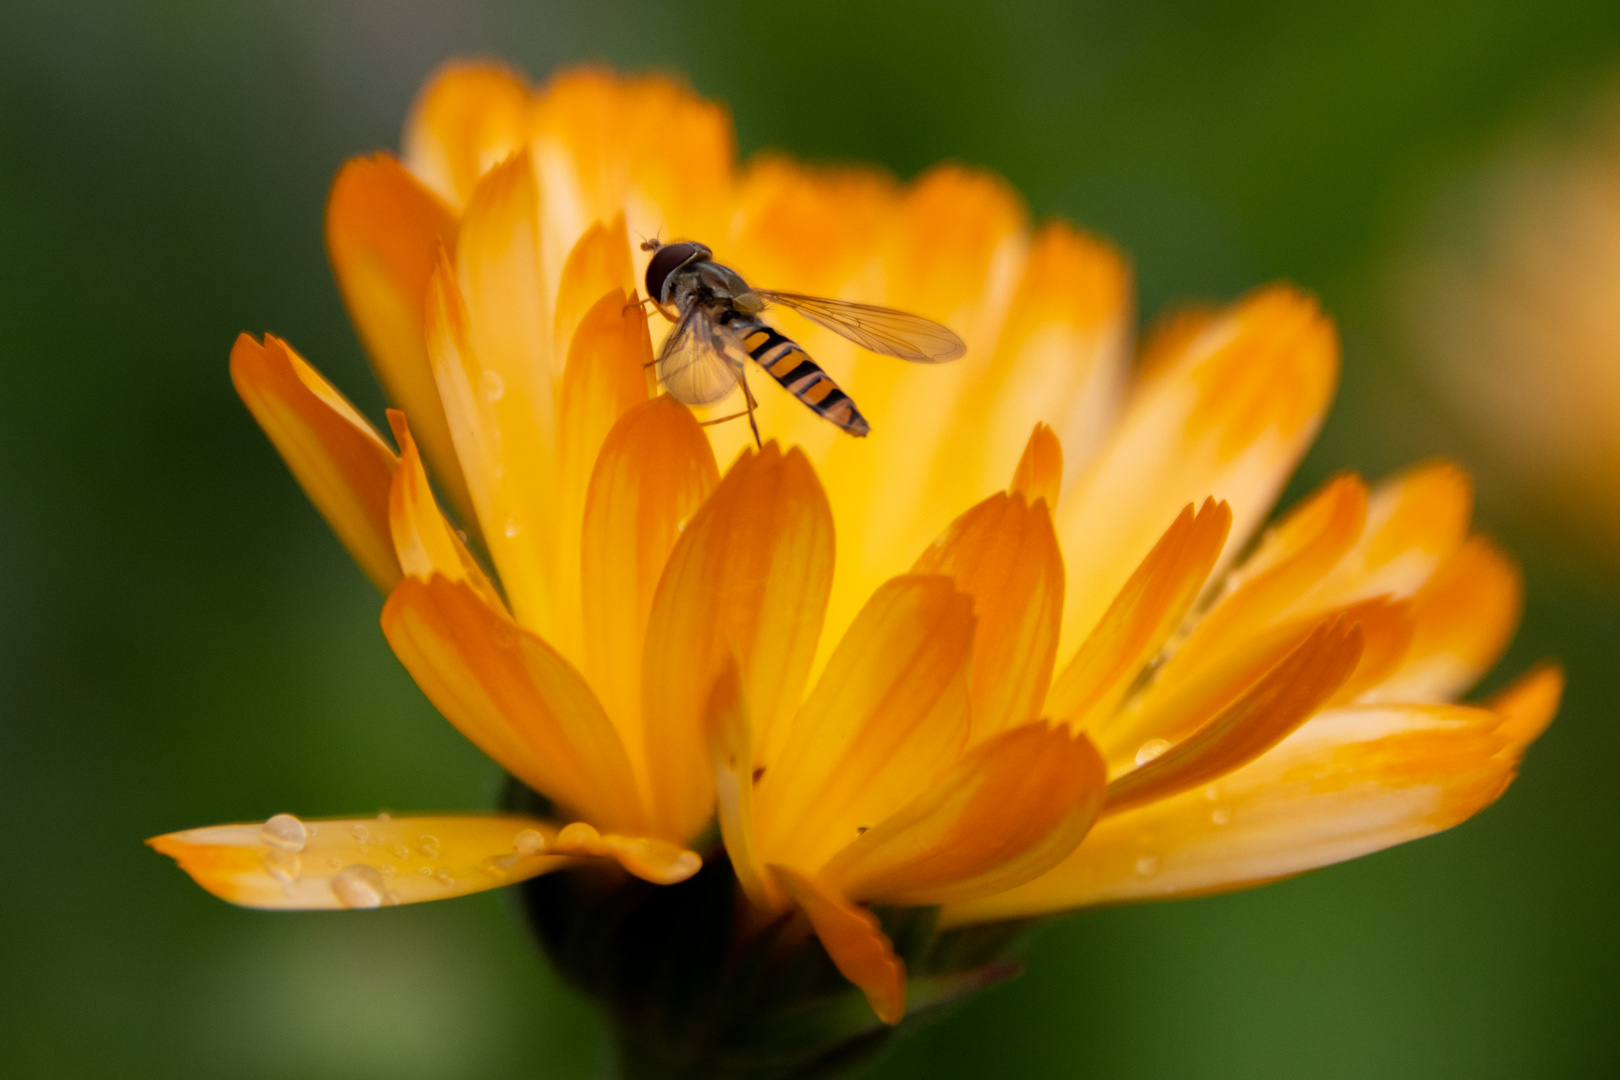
<point>183,642</point>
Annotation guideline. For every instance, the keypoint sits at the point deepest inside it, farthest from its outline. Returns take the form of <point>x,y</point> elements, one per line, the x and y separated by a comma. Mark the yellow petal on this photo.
<point>1004,555</point>
<point>654,471</point>
<point>323,864</point>
<point>599,263</point>
<point>1463,618</point>
<point>858,947</point>
<point>1275,706</point>
<point>645,145</point>
<point>339,460</point>
<point>1227,417</point>
<point>750,573</point>
<point>1528,706</point>
<point>489,339</point>
<point>1142,617</point>
<point>731,749</point>
<point>468,118</point>
<point>1010,811</point>
<point>382,228</point>
<point>424,541</point>
<point>1040,470</point>
<point>1350,782</point>
<point>889,715</point>
<point>515,697</point>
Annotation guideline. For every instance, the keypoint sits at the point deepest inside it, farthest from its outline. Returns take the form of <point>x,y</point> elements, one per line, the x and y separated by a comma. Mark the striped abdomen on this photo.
<point>802,377</point>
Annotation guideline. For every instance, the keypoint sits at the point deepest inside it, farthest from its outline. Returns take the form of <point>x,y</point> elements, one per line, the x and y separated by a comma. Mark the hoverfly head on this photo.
<point>668,258</point>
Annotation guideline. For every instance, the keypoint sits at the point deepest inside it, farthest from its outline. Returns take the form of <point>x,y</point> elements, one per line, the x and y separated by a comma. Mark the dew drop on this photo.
<point>512,529</point>
<point>360,833</point>
<point>579,835</point>
<point>285,832</point>
<point>359,886</point>
<point>493,386</point>
<point>1147,865</point>
<point>282,865</point>
<point>500,865</point>
<point>384,818</point>
<point>401,851</point>
<point>443,876</point>
<point>389,870</point>
<point>529,842</point>
<point>426,871</point>
<point>1151,749</point>
<point>429,846</point>
<point>1221,815</point>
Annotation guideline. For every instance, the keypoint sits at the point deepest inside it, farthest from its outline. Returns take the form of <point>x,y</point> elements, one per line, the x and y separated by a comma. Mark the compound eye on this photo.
<point>665,261</point>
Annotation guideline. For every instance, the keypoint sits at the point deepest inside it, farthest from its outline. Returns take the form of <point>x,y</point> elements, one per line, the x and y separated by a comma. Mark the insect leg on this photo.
<point>748,399</point>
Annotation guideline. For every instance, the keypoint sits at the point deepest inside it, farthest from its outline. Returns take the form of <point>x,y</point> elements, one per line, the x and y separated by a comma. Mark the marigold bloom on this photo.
<point>1037,674</point>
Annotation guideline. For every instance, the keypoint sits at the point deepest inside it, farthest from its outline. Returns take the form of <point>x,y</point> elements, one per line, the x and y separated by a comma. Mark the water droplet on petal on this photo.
<point>1152,749</point>
<point>429,846</point>
<point>493,386</point>
<point>285,832</point>
<point>401,851</point>
<point>579,835</point>
<point>360,833</point>
<point>426,871</point>
<point>529,842</point>
<point>513,528</point>
<point>282,865</point>
<point>443,876</point>
<point>384,818</point>
<point>1221,815</point>
<point>1147,865</point>
<point>359,886</point>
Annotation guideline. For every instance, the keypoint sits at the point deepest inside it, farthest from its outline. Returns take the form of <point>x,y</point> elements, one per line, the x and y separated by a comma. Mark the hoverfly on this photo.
<point>718,330</point>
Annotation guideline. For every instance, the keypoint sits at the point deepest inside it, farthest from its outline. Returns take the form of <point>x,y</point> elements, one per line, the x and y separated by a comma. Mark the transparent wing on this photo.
<point>880,329</point>
<point>699,363</point>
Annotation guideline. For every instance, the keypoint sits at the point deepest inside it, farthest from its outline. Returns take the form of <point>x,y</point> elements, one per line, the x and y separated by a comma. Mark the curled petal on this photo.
<point>382,228</point>
<point>889,715</point>
<point>1010,811</point>
<point>468,118</point>
<point>852,937</point>
<point>339,460</point>
<point>1351,782</point>
<point>424,541</point>
<point>514,696</point>
<point>1142,617</point>
<point>1004,555</point>
<point>1276,705</point>
<point>1228,416</point>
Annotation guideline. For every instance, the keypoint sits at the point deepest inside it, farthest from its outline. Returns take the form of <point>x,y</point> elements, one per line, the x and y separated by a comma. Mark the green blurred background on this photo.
<point>182,642</point>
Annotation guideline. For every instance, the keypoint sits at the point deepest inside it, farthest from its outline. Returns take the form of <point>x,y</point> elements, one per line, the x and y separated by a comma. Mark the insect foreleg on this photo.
<point>748,399</point>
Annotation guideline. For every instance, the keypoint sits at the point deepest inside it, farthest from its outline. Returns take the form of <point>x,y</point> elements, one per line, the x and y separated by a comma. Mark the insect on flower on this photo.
<point>718,330</point>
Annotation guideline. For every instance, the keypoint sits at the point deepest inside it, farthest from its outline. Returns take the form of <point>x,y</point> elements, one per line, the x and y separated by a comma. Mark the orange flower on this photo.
<point>1036,676</point>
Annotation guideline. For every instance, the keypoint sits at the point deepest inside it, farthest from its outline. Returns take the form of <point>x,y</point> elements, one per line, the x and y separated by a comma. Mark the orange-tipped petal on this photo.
<point>1528,706</point>
<point>654,471</point>
<point>1010,811</point>
<point>1263,717</point>
<point>731,748</point>
<point>330,863</point>
<point>605,378</point>
<point>1142,617</point>
<point>424,541</point>
<point>1228,417</point>
<point>1350,782</point>
<point>468,118</point>
<point>382,227</point>
<point>599,263</point>
<point>889,715</point>
<point>1040,470</point>
<point>515,697</point>
<point>857,945</point>
<point>1462,620</point>
<point>1004,555</point>
<point>339,460</point>
<point>489,339</point>
<point>750,573</point>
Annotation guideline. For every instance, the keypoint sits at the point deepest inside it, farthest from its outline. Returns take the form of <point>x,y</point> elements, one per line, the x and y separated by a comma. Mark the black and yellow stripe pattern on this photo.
<point>801,376</point>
